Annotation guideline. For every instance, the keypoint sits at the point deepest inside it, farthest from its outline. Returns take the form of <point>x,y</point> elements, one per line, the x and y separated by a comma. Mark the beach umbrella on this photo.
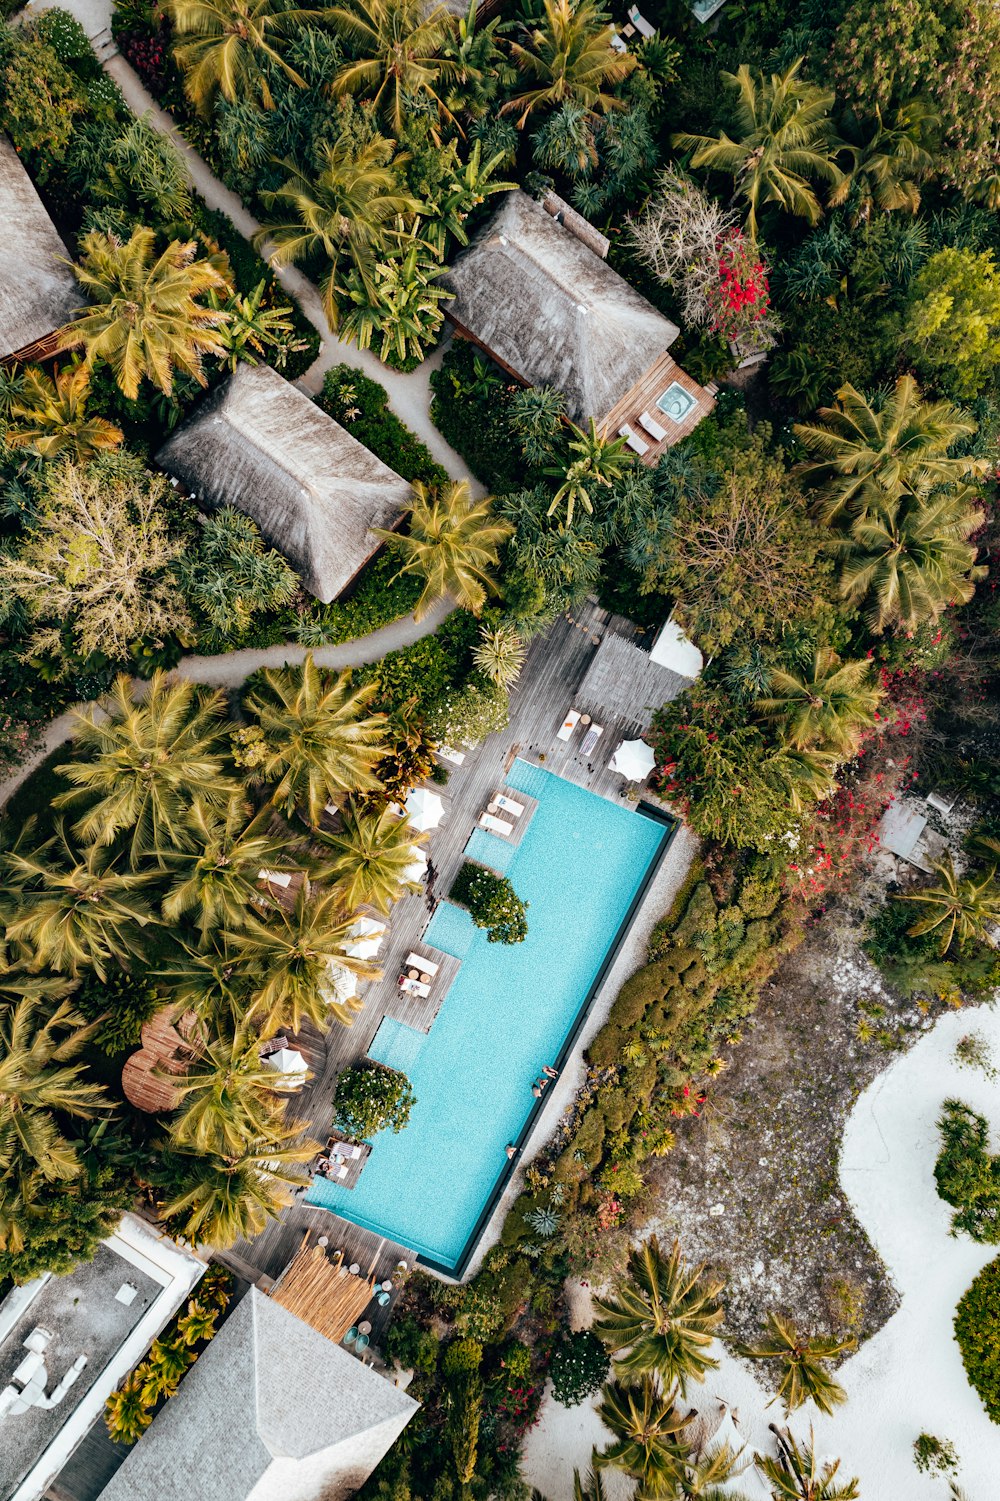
<point>287,1061</point>
<point>417,868</point>
<point>341,983</point>
<point>633,759</point>
<point>424,809</point>
<point>366,938</point>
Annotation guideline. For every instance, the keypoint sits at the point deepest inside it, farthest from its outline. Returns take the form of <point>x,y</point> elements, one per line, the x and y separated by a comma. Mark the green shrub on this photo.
<point>411,1345</point>
<point>462,1357</point>
<point>469,409</point>
<point>977,1330</point>
<point>492,903</point>
<point>362,406</point>
<point>934,1456</point>
<point>125,1002</point>
<point>579,1367</point>
<point>370,1098</point>
<point>967,1176</point>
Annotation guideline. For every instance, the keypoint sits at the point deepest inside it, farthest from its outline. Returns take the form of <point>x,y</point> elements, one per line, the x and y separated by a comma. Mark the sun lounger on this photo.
<point>342,1148</point>
<point>640,23</point>
<point>617,43</point>
<point>448,754</point>
<point>569,724</point>
<point>508,805</point>
<point>416,961</point>
<point>341,1171</point>
<point>274,877</point>
<point>591,738</point>
<point>653,428</point>
<point>496,825</point>
<point>414,987</point>
<point>633,440</point>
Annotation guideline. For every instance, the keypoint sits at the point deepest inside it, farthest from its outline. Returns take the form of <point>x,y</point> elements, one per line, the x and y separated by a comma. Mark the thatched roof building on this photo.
<point>271,1411</point>
<point>38,293</point>
<point>549,309</point>
<point>258,444</point>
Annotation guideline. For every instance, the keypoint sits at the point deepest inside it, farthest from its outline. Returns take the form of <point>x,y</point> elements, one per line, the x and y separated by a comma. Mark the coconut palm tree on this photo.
<point>49,418</point>
<point>500,654</point>
<point>566,56</point>
<point>452,543</point>
<point>708,1477</point>
<point>784,141</point>
<point>39,1084</point>
<point>590,1487</point>
<point>127,1414</point>
<point>212,983</point>
<point>74,911</point>
<point>397,47</point>
<point>370,855</point>
<point>889,166</point>
<point>215,1200</point>
<point>804,1361</point>
<point>229,1096</point>
<point>909,565</point>
<point>826,705</point>
<point>349,208</point>
<point>222,44</point>
<point>959,908</point>
<point>662,1317</point>
<point>598,463</point>
<point>141,766</point>
<point>867,451</point>
<point>317,741</point>
<point>144,318</point>
<point>294,957</point>
<point>218,878</point>
<point>649,1435</point>
<point>796,1474</point>
<point>808,776</point>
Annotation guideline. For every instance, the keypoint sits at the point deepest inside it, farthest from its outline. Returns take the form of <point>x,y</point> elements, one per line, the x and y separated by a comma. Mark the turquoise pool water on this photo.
<point>509,1011</point>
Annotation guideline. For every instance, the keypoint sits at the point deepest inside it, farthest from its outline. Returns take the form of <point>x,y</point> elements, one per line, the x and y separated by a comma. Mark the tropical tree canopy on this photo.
<point>399,57</point>
<point>371,853</point>
<point>452,543</point>
<point>222,44</point>
<point>827,706</point>
<point>648,1430</point>
<point>49,418</point>
<point>804,1361</point>
<point>566,56</point>
<point>960,909</point>
<point>39,1083</point>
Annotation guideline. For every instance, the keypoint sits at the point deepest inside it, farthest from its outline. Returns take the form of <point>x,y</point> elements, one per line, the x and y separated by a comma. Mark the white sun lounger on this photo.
<point>653,428</point>
<point>345,1149</point>
<point>591,738</point>
<point>569,724</point>
<point>496,825</point>
<point>414,987</point>
<point>633,440</point>
<point>640,23</point>
<point>508,805</point>
<point>274,877</point>
<point>617,43</point>
<point>416,961</point>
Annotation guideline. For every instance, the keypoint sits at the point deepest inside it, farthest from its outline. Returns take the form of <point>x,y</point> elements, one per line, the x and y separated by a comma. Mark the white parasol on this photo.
<point>633,759</point>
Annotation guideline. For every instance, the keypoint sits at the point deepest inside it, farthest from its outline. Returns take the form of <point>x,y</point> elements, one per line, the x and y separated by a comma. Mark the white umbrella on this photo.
<point>286,1061</point>
<point>417,868</point>
<point>633,759</point>
<point>341,983</point>
<point>424,809</point>
<point>366,938</point>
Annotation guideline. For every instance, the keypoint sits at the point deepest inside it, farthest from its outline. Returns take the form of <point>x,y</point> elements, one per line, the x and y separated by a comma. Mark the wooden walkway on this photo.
<point>553,670</point>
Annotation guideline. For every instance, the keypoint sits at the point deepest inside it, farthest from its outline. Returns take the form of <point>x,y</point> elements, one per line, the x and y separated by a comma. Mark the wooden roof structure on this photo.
<point>322,1292</point>
<point>165,1050</point>
<point>38,291</point>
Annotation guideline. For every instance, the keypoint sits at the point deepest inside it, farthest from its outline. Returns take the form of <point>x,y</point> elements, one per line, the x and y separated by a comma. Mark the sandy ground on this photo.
<point>909,1378</point>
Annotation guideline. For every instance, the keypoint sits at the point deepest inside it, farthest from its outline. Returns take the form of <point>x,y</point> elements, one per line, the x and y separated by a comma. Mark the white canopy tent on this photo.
<point>633,759</point>
<point>424,809</point>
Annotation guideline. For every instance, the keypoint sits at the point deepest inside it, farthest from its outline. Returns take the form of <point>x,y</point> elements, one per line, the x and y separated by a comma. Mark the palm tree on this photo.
<point>397,50</point>
<point>452,544</point>
<point>217,1200</point>
<point>500,654</point>
<point>590,1487</point>
<point>38,1084</point>
<point>663,1314</point>
<point>145,318</point>
<point>804,1361</point>
<point>911,564</point>
<point>212,984</point>
<point>784,138</point>
<point>808,776</point>
<point>142,766</point>
<point>462,188</point>
<point>797,1475</point>
<point>707,1477</point>
<point>889,166</point>
<point>400,302</point>
<point>126,1412</point>
<point>223,43</point>
<point>49,418</point>
<point>349,208</point>
<point>371,855</point>
<point>826,706</point>
<point>867,451</point>
<point>600,460</point>
<point>962,908</point>
<point>318,743</point>
<point>649,1436</point>
<point>73,910</point>
<point>217,879</point>
<point>229,1095</point>
<point>294,957</point>
<point>566,56</point>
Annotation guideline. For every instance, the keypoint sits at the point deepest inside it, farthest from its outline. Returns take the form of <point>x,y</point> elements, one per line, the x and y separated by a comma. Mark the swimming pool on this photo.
<point>581,864</point>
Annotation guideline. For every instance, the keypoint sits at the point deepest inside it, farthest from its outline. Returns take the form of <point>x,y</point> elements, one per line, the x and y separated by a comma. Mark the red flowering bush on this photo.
<point>740,300</point>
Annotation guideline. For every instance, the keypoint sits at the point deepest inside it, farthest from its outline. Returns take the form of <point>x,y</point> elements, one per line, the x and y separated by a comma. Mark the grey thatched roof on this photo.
<point>552,311</point>
<point>267,1393</point>
<point>38,293</point>
<point>259,444</point>
<point>624,683</point>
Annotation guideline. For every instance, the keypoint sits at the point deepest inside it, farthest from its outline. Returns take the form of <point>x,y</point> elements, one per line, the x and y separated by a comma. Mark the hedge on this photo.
<point>362,406</point>
<point>977,1330</point>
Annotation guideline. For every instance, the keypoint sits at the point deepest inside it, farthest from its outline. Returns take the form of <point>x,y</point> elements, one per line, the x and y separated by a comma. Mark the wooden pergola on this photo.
<point>323,1292</point>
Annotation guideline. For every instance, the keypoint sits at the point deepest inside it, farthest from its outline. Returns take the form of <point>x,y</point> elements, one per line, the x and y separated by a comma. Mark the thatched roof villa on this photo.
<point>535,291</point>
<point>258,444</point>
<point>38,292</point>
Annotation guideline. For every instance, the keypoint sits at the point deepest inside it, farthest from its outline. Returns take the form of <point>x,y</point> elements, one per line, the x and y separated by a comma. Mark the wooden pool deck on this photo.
<point>554,668</point>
